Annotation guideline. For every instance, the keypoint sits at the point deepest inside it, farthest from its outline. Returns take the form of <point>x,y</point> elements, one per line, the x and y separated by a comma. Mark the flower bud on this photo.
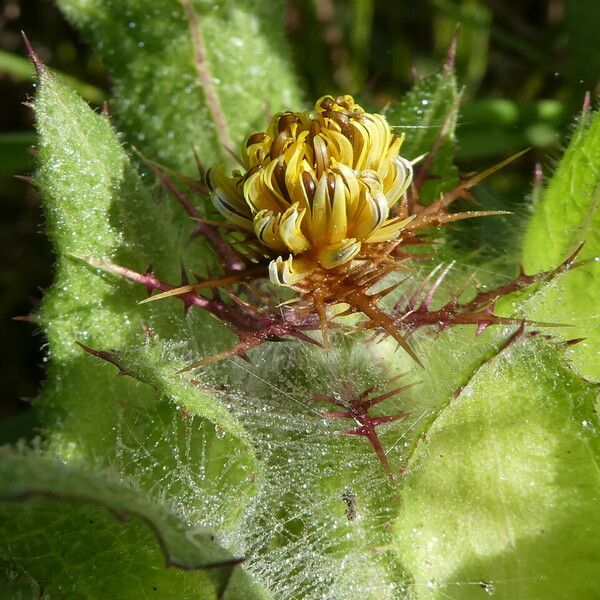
<point>318,186</point>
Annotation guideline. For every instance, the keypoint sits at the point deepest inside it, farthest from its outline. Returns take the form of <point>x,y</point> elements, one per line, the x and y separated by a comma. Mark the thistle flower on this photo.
<point>329,208</point>
<point>318,187</point>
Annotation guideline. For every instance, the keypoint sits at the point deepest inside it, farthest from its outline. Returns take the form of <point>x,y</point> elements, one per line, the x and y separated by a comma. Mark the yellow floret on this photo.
<point>318,186</point>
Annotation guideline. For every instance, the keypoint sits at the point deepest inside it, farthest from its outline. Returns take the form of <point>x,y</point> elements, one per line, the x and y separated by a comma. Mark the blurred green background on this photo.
<point>525,67</point>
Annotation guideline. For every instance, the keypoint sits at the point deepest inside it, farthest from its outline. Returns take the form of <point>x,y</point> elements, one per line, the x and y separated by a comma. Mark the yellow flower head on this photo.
<point>317,186</point>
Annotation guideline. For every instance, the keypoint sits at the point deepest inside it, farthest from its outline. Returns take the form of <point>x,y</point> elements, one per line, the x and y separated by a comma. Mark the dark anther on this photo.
<point>286,120</point>
<point>337,116</point>
<point>252,170</point>
<point>278,144</point>
<point>315,128</point>
<point>331,185</point>
<point>341,119</point>
<point>327,103</point>
<point>341,101</point>
<point>309,185</point>
<point>279,173</point>
<point>255,138</point>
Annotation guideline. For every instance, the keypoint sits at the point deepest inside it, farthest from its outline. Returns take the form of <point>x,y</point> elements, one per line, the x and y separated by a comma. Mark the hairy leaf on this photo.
<point>16,585</point>
<point>501,493</point>
<point>191,74</point>
<point>97,207</point>
<point>567,215</point>
<point>427,117</point>
<point>58,522</point>
<point>191,447</point>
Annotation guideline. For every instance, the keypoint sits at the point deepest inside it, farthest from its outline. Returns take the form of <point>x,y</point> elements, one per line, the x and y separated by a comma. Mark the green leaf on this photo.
<point>155,365</point>
<point>17,585</point>
<point>96,206</point>
<point>568,215</point>
<point>57,523</point>
<point>427,117</point>
<point>202,79</point>
<point>192,445</point>
<point>501,493</point>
